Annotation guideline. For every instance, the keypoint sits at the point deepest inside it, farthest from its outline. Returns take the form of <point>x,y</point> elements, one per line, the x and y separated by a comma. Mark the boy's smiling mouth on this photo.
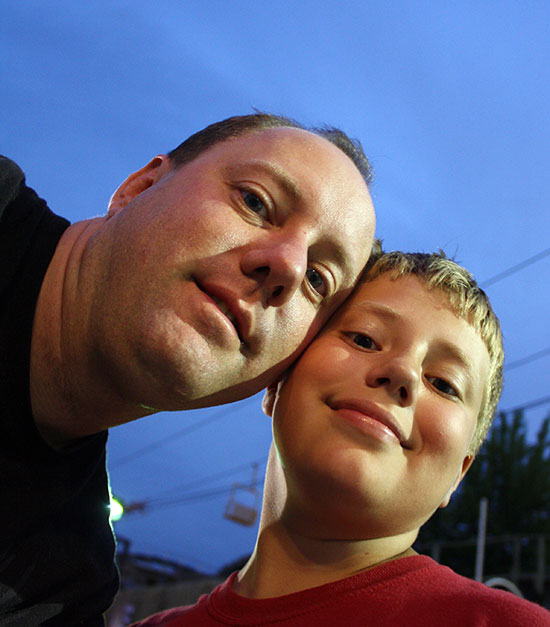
<point>367,416</point>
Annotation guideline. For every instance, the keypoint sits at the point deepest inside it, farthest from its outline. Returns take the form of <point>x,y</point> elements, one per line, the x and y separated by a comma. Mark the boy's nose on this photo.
<point>400,378</point>
<point>278,265</point>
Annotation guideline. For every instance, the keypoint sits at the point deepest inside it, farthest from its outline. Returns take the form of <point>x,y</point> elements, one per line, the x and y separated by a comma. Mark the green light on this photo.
<point>117,509</point>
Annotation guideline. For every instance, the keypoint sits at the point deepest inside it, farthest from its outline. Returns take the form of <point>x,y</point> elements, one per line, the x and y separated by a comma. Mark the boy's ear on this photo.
<point>269,398</point>
<point>466,463</point>
<point>271,392</point>
<point>138,182</point>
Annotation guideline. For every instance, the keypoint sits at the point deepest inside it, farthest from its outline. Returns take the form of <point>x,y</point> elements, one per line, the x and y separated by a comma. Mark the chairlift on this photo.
<point>244,501</point>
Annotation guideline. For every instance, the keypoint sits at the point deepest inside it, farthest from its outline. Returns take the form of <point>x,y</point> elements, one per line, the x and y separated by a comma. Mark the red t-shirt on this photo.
<point>413,591</point>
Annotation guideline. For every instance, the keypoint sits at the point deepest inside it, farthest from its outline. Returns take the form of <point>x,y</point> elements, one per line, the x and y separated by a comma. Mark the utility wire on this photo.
<point>223,412</point>
<point>516,268</point>
<point>540,401</point>
<point>526,360</point>
<point>212,418</point>
<point>174,436</point>
<point>210,478</point>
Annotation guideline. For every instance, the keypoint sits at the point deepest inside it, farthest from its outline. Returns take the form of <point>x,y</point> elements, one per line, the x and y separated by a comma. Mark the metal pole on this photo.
<point>481,529</point>
<point>541,562</point>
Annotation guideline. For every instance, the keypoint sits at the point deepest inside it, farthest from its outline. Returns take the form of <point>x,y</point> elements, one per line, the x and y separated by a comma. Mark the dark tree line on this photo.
<point>514,475</point>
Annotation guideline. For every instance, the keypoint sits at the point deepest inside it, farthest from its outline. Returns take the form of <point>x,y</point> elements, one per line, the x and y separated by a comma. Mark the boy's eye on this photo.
<point>255,204</point>
<point>316,280</point>
<point>443,386</point>
<point>362,340</point>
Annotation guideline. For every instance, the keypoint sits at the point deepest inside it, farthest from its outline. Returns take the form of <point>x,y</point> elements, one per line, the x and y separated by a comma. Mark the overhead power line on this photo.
<point>212,417</point>
<point>537,403</point>
<point>516,268</point>
<point>527,360</point>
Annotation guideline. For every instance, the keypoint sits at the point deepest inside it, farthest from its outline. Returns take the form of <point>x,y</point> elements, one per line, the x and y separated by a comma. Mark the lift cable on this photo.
<point>209,479</point>
<point>194,496</point>
<point>222,490</point>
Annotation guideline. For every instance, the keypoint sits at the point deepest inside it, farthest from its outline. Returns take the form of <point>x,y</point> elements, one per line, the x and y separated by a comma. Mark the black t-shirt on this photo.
<point>56,543</point>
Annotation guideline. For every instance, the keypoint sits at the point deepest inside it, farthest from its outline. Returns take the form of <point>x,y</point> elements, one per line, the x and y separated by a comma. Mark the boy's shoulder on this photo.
<point>413,591</point>
<point>436,593</point>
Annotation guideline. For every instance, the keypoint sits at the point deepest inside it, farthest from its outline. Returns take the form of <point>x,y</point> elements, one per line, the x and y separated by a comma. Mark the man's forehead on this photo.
<point>275,142</point>
<point>311,172</point>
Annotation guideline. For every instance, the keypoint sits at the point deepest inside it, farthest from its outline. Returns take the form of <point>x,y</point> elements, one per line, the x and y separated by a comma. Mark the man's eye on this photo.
<point>443,386</point>
<point>316,281</point>
<point>362,340</point>
<point>255,204</point>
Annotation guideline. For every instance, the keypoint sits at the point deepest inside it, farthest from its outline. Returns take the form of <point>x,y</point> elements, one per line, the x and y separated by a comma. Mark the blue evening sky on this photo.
<point>450,101</point>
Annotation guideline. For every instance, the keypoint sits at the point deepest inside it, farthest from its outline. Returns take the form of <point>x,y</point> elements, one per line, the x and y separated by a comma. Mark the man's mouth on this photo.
<point>229,305</point>
<point>226,312</point>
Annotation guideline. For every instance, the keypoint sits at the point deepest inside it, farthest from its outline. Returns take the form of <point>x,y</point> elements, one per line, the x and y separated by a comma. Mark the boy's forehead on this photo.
<point>394,299</point>
<point>375,295</point>
<point>385,288</point>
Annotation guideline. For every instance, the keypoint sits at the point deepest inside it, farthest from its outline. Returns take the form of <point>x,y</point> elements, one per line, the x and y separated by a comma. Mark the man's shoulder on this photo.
<point>11,177</point>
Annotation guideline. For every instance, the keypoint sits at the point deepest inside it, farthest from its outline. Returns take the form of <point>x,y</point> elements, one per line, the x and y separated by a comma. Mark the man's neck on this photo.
<point>65,393</point>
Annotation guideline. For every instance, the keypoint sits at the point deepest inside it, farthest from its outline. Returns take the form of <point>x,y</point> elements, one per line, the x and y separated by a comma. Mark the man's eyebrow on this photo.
<point>278,174</point>
<point>291,188</point>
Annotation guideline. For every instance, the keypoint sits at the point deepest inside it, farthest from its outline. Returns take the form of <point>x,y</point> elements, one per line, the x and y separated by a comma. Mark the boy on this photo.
<point>374,428</point>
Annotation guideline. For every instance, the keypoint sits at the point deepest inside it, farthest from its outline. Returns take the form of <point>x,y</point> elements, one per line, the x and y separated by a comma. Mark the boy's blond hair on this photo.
<point>466,299</point>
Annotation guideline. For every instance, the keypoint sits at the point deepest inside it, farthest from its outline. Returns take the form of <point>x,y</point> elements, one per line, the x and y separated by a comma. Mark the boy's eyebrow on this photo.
<point>384,311</point>
<point>448,349</point>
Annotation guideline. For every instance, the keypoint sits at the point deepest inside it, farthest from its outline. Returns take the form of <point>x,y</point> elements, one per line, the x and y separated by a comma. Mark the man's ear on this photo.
<point>466,463</point>
<point>138,182</point>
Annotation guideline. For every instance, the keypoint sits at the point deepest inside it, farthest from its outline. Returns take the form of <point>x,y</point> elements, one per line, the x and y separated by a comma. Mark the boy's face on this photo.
<point>374,422</point>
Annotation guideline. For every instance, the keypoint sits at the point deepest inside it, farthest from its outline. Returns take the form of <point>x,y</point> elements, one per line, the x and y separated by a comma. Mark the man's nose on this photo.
<point>278,264</point>
<point>399,376</point>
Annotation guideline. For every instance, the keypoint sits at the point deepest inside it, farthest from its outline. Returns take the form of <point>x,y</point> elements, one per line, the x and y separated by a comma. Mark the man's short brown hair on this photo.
<point>240,125</point>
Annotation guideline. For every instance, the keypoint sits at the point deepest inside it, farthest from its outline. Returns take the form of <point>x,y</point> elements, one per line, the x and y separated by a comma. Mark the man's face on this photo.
<point>220,272</point>
<point>374,422</point>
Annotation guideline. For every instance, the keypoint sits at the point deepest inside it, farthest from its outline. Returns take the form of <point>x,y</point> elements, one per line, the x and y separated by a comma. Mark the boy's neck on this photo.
<point>284,562</point>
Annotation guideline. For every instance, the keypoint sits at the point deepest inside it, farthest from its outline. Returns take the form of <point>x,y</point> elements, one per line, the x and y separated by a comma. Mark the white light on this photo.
<point>117,509</point>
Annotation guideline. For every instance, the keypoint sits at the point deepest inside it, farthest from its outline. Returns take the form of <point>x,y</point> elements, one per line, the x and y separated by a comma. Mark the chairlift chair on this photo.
<point>244,501</point>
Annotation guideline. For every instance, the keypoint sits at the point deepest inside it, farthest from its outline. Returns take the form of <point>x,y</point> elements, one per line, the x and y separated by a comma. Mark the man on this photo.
<point>213,268</point>
<point>374,427</point>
